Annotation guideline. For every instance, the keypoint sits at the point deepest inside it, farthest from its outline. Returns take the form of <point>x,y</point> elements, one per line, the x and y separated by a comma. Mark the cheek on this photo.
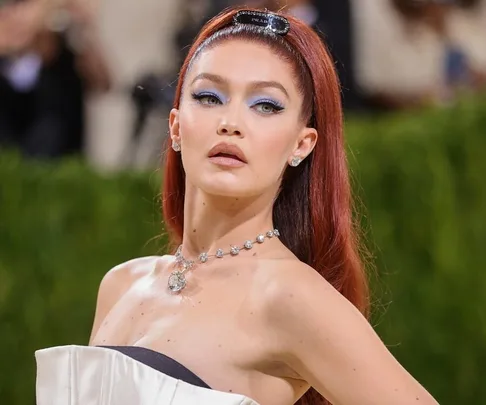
<point>270,152</point>
<point>190,121</point>
<point>275,141</point>
<point>197,131</point>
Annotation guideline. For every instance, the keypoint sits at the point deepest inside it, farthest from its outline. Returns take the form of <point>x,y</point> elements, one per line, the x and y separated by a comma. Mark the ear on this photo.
<point>305,143</point>
<point>174,128</point>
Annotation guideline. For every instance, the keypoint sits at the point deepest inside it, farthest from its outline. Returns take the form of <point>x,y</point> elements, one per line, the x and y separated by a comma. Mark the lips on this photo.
<point>227,151</point>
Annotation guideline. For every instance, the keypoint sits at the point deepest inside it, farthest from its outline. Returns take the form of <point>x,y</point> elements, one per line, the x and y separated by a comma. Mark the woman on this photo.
<point>265,297</point>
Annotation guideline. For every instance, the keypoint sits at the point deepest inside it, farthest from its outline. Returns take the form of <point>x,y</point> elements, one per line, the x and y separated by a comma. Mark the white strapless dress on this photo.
<point>85,375</point>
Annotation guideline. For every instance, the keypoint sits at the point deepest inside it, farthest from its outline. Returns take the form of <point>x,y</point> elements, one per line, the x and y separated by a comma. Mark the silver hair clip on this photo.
<point>275,23</point>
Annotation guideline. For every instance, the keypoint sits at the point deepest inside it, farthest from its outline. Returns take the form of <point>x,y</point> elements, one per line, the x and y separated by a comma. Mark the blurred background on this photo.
<point>85,91</point>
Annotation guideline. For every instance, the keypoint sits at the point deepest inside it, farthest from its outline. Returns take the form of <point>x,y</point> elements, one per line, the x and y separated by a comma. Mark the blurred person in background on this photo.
<point>126,125</point>
<point>406,54</point>
<point>49,60</point>
<point>467,28</point>
<point>336,24</point>
<point>400,51</point>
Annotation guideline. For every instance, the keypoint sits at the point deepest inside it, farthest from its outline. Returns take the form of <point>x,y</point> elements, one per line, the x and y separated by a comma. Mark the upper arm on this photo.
<point>114,285</point>
<point>332,346</point>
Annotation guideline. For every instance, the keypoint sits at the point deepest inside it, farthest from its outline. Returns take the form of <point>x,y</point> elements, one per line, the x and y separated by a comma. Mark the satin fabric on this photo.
<point>85,375</point>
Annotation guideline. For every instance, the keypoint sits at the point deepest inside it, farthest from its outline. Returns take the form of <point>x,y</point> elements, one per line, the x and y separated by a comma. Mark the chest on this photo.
<point>218,329</point>
<point>220,326</point>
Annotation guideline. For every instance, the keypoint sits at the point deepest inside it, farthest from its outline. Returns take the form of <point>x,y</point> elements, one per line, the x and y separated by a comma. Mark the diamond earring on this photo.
<point>176,146</point>
<point>295,161</point>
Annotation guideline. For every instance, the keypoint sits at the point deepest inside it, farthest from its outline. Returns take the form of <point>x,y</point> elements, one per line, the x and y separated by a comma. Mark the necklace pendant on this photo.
<point>177,281</point>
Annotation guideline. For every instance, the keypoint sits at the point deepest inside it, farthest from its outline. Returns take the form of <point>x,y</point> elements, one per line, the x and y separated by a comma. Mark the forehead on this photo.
<point>242,61</point>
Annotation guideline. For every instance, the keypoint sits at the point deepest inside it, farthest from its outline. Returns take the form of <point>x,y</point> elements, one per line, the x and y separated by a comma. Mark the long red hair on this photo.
<point>313,209</point>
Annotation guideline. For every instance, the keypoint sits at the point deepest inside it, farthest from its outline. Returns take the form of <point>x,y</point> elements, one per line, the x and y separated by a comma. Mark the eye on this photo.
<point>206,98</point>
<point>268,107</point>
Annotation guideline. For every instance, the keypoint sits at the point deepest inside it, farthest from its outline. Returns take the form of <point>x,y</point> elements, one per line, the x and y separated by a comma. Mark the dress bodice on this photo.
<point>85,375</point>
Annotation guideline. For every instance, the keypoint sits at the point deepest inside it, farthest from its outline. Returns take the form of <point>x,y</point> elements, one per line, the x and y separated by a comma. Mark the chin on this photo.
<point>226,184</point>
<point>230,190</point>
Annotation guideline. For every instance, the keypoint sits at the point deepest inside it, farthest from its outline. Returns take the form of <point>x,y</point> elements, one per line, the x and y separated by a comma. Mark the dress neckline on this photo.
<point>160,362</point>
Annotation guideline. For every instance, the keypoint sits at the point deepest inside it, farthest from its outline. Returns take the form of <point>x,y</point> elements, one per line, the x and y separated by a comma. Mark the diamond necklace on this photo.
<point>177,279</point>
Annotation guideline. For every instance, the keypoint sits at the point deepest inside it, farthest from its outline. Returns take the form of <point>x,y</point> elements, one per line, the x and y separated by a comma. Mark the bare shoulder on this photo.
<point>325,340</point>
<point>124,274</point>
<point>303,308</point>
<point>118,280</point>
<point>293,286</point>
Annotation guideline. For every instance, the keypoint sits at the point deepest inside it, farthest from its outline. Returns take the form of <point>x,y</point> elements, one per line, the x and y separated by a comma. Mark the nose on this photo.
<point>228,129</point>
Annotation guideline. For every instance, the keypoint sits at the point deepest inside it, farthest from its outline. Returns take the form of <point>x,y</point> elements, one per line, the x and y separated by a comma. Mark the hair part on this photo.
<point>313,210</point>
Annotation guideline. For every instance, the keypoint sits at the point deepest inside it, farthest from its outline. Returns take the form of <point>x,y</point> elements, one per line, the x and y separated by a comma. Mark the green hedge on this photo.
<point>419,175</point>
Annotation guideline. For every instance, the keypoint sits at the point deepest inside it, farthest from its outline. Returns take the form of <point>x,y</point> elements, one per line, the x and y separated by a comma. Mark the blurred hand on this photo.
<point>20,24</point>
<point>90,60</point>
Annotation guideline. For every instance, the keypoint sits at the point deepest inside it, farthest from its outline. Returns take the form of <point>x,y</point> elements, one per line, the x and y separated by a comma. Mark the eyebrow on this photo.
<point>254,85</point>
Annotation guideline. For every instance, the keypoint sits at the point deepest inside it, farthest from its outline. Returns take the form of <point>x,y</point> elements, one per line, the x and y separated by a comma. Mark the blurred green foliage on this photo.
<point>421,179</point>
<point>419,175</point>
<point>61,228</point>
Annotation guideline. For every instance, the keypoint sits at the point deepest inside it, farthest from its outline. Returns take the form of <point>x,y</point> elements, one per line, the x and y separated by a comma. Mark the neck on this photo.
<point>214,222</point>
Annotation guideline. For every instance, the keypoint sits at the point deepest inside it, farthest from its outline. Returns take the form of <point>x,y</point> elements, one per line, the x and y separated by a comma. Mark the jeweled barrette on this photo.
<point>272,22</point>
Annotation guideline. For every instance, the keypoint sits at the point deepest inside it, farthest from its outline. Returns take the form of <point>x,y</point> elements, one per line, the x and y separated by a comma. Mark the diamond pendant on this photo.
<point>177,281</point>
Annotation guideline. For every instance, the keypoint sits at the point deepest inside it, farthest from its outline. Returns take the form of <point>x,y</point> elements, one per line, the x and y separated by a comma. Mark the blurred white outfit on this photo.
<point>393,55</point>
<point>81,375</point>
<point>136,38</point>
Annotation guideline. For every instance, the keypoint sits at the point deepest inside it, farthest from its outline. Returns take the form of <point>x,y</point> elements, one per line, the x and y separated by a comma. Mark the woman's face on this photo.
<point>242,99</point>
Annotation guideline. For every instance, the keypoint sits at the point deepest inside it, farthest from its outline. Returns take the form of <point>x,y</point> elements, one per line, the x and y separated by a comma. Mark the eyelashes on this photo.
<point>263,106</point>
<point>207,98</point>
<point>267,106</point>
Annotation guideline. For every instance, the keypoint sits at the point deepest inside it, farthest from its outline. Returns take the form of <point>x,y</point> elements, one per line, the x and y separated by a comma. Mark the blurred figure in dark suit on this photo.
<point>48,60</point>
